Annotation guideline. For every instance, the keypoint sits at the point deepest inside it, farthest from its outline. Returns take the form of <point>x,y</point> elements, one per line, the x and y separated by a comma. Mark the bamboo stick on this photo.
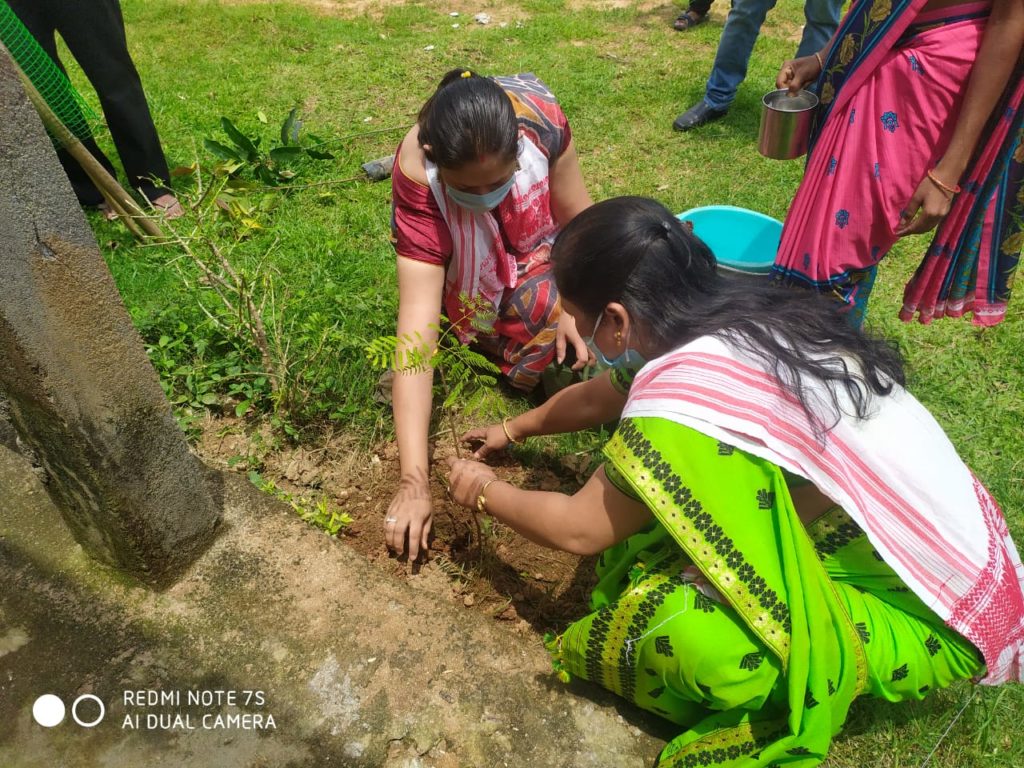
<point>140,224</point>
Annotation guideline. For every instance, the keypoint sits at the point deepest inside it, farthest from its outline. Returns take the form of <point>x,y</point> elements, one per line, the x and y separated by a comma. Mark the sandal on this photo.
<point>688,20</point>
<point>108,213</point>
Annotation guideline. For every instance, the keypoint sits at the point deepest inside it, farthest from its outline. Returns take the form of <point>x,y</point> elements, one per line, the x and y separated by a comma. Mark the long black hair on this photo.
<point>467,118</point>
<point>632,250</point>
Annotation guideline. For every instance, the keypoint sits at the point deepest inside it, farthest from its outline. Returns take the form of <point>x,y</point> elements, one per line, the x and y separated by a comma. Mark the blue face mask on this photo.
<point>630,358</point>
<point>481,203</point>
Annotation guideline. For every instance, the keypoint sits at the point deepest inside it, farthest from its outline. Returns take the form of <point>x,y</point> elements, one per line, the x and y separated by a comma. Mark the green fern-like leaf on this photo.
<point>407,353</point>
<point>464,373</point>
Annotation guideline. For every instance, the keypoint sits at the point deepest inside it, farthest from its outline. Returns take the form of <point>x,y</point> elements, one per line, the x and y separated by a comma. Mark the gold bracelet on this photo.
<point>481,500</point>
<point>821,64</point>
<point>508,434</point>
<point>954,190</point>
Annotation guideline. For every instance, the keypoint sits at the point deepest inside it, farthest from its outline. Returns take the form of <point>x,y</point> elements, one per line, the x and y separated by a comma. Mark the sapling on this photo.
<point>463,374</point>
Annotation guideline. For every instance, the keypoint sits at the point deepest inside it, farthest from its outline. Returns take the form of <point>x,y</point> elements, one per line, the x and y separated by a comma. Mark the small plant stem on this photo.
<point>362,134</point>
<point>479,538</point>
<point>450,414</point>
<point>327,183</point>
<point>949,727</point>
<point>207,190</point>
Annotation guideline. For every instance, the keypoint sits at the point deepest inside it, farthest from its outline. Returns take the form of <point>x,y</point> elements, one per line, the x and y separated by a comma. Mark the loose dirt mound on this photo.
<point>489,568</point>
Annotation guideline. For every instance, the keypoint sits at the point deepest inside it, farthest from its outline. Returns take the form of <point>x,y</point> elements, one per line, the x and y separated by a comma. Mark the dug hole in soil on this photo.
<point>491,569</point>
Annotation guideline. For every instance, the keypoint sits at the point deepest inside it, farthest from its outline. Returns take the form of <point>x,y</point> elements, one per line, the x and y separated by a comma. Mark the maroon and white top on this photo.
<point>486,253</point>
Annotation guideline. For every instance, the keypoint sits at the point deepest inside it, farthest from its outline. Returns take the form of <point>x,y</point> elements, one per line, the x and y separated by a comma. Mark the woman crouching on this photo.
<point>783,527</point>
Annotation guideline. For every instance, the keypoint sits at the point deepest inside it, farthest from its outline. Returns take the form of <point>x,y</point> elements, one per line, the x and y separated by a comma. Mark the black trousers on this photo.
<point>94,33</point>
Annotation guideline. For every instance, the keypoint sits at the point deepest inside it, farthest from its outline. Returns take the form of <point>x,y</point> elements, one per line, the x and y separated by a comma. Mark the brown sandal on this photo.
<point>687,20</point>
<point>108,213</point>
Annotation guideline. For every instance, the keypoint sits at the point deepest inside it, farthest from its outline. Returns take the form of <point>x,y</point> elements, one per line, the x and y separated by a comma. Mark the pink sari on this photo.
<point>884,127</point>
<point>983,255</point>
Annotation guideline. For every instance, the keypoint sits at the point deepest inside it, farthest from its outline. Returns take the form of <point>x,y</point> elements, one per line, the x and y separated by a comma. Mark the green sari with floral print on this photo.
<point>730,618</point>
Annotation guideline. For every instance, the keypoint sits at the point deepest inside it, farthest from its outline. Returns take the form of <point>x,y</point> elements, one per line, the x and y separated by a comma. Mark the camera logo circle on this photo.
<point>48,710</point>
<point>87,697</point>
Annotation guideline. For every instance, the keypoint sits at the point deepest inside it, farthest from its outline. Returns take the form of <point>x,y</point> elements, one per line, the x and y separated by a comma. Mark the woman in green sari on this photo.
<point>771,547</point>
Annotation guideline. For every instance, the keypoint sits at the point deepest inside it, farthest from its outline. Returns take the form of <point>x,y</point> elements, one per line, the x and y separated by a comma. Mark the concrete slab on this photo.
<point>354,668</point>
<point>83,395</point>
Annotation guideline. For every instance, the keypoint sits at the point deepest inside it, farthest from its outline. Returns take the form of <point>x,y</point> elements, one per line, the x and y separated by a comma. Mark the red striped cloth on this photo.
<point>482,267</point>
<point>896,474</point>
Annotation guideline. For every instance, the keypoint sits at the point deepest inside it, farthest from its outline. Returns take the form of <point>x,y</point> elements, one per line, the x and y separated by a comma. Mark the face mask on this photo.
<point>630,358</point>
<point>481,203</point>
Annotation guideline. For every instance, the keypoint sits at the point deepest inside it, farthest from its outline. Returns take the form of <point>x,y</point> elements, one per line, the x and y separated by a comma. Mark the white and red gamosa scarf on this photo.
<point>481,268</point>
<point>895,473</point>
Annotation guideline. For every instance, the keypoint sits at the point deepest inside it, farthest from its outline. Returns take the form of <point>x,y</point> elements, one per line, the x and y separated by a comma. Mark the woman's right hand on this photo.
<point>797,74</point>
<point>409,518</point>
<point>492,439</point>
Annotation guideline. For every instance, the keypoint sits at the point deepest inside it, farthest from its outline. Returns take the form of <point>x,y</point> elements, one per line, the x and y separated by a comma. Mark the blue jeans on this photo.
<point>741,30</point>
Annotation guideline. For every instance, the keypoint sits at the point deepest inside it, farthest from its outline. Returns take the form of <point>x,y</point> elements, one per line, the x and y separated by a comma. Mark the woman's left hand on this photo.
<point>466,478</point>
<point>567,333</point>
<point>925,209</point>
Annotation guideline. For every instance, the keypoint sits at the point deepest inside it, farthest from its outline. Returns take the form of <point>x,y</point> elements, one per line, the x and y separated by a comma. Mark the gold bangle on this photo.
<point>481,500</point>
<point>821,64</point>
<point>508,433</point>
<point>954,190</point>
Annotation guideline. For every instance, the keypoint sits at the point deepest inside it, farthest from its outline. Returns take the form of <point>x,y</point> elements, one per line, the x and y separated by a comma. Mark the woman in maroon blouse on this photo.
<point>481,185</point>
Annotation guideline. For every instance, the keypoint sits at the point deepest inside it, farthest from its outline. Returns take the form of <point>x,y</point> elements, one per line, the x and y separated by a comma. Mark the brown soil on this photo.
<point>491,569</point>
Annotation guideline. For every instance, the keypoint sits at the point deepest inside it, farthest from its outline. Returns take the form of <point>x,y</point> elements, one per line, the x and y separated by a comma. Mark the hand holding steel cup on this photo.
<point>785,123</point>
<point>797,74</point>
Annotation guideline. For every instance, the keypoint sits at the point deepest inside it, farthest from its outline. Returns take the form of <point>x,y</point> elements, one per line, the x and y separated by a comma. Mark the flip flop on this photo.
<point>688,20</point>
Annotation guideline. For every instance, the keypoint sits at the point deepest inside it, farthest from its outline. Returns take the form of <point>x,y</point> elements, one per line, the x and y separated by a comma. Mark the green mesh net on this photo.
<point>53,85</point>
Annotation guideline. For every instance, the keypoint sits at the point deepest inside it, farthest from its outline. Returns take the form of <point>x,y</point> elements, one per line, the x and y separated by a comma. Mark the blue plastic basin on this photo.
<point>742,240</point>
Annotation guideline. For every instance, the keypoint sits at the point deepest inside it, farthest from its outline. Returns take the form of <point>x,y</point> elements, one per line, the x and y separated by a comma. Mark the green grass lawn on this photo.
<point>622,74</point>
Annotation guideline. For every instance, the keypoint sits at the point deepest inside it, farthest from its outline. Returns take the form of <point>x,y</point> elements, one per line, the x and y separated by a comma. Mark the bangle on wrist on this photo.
<point>821,63</point>
<point>481,500</point>
<point>508,432</point>
<point>954,190</point>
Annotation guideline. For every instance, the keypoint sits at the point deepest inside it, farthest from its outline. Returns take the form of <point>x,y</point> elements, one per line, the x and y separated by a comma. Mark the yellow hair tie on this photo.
<point>467,73</point>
